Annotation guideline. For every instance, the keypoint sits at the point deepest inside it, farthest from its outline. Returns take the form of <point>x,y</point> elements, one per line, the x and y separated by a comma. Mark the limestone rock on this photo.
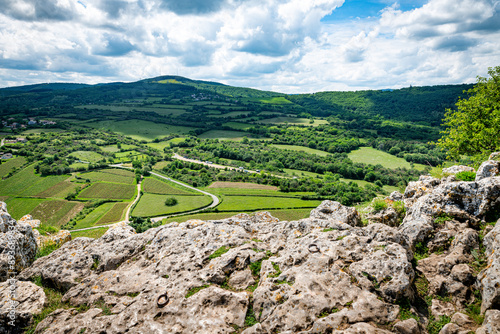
<point>491,323</point>
<point>29,300</point>
<point>17,244</point>
<point>440,308</point>
<point>241,280</point>
<point>457,169</point>
<point>488,169</point>
<point>494,156</point>
<point>490,276</point>
<point>332,210</point>
<point>387,216</point>
<point>396,196</point>
<point>409,326</point>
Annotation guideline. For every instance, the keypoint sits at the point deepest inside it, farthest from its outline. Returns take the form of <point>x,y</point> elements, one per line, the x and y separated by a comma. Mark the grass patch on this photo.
<point>442,218</point>
<point>277,271</point>
<point>94,233</point>
<point>60,190</point>
<point>466,176</point>
<point>435,325</point>
<point>379,204</point>
<point>369,155</point>
<point>151,205</point>
<point>154,186</point>
<point>46,250</point>
<point>219,252</point>
<point>301,149</point>
<point>139,129</point>
<point>253,203</point>
<point>55,212</point>
<point>421,251</point>
<point>241,185</point>
<point>128,178</point>
<point>7,167</point>
<point>94,216</point>
<point>117,191</point>
<point>115,214</point>
<point>223,135</point>
<point>195,290</point>
<point>89,156</point>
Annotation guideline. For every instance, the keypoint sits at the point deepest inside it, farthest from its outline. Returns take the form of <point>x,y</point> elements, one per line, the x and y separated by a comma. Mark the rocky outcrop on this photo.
<point>457,169</point>
<point>324,274</point>
<point>28,301</point>
<point>58,238</point>
<point>17,244</point>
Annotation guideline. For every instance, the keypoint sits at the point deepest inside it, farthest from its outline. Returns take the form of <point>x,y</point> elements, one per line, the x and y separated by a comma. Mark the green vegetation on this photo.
<point>116,191</point>
<point>194,290</point>
<point>466,176</point>
<point>435,325</point>
<point>219,252</point>
<point>141,225</point>
<point>369,155</point>
<point>171,201</point>
<point>379,204</point>
<point>301,148</point>
<point>46,250</point>
<point>155,186</point>
<point>94,233</point>
<point>151,205</point>
<point>472,129</point>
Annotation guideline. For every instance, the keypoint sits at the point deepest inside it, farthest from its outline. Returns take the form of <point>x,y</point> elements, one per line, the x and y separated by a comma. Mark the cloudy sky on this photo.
<point>289,46</point>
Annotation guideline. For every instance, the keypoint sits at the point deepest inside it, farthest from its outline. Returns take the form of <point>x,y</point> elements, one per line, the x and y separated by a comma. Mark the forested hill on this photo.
<point>425,105</point>
<point>389,112</point>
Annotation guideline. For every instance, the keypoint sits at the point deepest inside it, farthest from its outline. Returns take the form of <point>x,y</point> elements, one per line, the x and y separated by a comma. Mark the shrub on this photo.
<point>466,176</point>
<point>171,201</point>
<point>379,204</point>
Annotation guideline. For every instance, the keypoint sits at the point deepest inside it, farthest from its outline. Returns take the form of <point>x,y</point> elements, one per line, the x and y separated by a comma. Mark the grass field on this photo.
<point>253,203</point>
<point>241,185</point>
<point>56,212</point>
<point>231,114</point>
<point>160,164</point>
<point>108,177</point>
<point>18,207</point>
<point>369,155</point>
<point>155,186</point>
<point>238,126</point>
<point>151,205</point>
<point>115,214</point>
<point>6,167</point>
<point>89,156</point>
<point>293,120</point>
<point>140,130</point>
<point>116,191</point>
<point>254,192</point>
<point>302,149</point>
<point>300,173</point>
<point>94,233</point>
<point>60,190</point>
<point>276,100</point>
<point>27,183</point>
<point>223,134</point>
<point>114,148</point>
<point>94,216</point>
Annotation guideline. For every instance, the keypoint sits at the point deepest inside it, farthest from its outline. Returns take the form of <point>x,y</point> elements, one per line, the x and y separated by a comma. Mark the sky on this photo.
<point>288,46</point>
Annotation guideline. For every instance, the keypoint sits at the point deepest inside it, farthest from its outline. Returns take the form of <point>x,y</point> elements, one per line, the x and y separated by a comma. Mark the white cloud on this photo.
<point>268,44</point>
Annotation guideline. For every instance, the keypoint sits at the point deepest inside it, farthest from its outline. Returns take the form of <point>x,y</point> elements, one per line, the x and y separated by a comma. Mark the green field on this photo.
<point>115,214</point>
<point>56,212</point>
<point>114,148</point>
<point>231,114</point>
<point>254,192</point>
<point>276,100</point>
<point>109,177</point>
<point>27,183</point>
<point>116,191</point>
<point>223,134</point>
<point>238,126</point>
<point>7,166</point>
<point>293,120</point>
<point>18,207</point>
<point>60,190</point>
<point>155,186</point>
<point>300,173</point>
<point>369,155</point>
<point>94,216</point>
<point>151,205</point>
<point>138,129</point>
<point>302,149</point>
<point>94,233</point>
<point>88,156</point>
<point>253,203</point>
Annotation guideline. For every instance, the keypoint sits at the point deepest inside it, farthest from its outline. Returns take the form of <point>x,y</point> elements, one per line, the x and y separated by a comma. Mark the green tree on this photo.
<point>474,128</point>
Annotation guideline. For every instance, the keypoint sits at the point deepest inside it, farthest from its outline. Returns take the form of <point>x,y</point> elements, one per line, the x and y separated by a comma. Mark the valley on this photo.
<point>253,150</point>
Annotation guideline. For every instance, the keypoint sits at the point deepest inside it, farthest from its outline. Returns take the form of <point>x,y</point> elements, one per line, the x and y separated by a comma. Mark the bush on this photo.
<point>466,176</point>
<point>171,201</point>
<point>379,204</point>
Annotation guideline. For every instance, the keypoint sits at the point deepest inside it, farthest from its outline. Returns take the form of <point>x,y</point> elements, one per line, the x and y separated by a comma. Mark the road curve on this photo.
<point>215,202</point>
<point>127,215</point>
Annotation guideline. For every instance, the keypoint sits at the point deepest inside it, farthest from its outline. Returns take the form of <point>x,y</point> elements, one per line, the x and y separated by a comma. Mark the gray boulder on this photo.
<point>17,244</point>
<point>331,210</point>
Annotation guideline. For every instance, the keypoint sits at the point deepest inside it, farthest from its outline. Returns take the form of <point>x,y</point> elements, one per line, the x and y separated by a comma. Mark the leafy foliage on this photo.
<point>466,176</point>
<point>171,201</point>
<point>473,128</point>
<point>140,224</point>
<point>219,252</point>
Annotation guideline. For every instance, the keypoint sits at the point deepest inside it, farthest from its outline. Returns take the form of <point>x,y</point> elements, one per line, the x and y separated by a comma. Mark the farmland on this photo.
<point>302,149</point>
<point>155,186</point>
<point>151,205</point>
<point>368,155</point>
<point>6,167</point>
<point>106,190</point>
<point>139,130</point>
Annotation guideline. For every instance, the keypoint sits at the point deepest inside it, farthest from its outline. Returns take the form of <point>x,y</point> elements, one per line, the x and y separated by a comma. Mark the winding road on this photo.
<point>215,201</point>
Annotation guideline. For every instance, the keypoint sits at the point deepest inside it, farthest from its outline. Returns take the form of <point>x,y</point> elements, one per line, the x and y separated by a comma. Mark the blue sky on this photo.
<point>289,46</point>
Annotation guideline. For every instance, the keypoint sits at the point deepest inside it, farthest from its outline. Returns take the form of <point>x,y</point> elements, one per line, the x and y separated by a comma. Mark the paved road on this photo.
<point>178,157</point>
<point>215,202</point>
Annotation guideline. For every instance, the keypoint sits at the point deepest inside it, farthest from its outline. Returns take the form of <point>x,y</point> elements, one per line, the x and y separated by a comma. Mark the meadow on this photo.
<point>128,178</point>
<point>293,120</point>
<point>139,129</point>
<point>114,191</point>
<point>301,148</point>
<point>88,156</point>
<point>369,155</point>
<point>223,135</point>
<point>151,205</point>
<point>8,165</point>
<point>155,186</point>
<point>254,203</point>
